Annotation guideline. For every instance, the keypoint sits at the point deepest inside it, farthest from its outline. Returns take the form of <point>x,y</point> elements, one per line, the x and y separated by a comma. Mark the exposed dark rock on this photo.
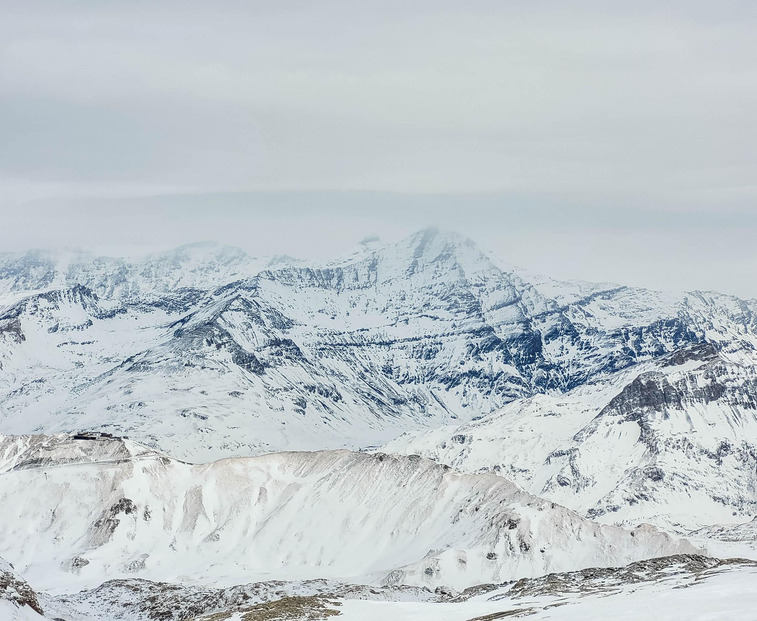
<point>597,580</point>
<point>18,592</point>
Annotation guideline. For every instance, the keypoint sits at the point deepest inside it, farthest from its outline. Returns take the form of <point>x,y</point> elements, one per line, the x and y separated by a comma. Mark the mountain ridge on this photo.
<point>345,353</point>
<point>109,507</point>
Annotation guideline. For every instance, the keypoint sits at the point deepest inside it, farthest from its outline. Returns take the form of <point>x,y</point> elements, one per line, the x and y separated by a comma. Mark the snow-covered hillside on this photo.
<point>672,443</point>
<point>18,600</point>
<point>74,512</point>
<point>205,352</point>
<point>690,587</point>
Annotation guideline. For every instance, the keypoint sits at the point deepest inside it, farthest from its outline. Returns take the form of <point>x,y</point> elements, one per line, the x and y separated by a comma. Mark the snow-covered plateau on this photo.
<point>413,431</point>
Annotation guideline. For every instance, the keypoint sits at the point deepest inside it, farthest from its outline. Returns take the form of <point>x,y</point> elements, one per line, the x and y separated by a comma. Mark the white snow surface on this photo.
<point>726,596</point>
<point>72,522</point>
<point>677,587</point>
<point>9,612</point>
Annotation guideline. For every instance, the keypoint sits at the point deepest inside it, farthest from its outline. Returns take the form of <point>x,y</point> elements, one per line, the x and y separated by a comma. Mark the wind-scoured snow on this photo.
<point>332,514</point>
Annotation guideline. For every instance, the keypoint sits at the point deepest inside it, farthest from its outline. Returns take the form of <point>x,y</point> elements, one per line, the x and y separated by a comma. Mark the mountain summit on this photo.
<point>205,352</point>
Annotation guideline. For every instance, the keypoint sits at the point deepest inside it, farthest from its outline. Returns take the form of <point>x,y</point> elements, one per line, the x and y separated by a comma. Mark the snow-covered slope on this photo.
<point>674,443</point>
<point>716,593</point>
<point>205,352</point>
<point>77,511</point>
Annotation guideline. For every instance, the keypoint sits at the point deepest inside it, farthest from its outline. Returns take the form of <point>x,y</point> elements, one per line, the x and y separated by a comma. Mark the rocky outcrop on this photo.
<point>16,591</point>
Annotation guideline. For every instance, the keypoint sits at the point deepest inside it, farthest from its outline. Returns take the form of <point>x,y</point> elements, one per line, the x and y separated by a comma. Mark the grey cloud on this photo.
<point>421,97</point>
<point>591,137</point>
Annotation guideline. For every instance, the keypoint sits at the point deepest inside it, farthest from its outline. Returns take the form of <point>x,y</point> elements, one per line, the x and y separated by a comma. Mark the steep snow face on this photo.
<point>73,518</point>
<point>674,444</point>
<point>206,353</point>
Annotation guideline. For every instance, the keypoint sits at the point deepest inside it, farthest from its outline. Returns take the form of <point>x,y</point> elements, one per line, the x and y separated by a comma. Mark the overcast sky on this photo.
<point>597,140</point>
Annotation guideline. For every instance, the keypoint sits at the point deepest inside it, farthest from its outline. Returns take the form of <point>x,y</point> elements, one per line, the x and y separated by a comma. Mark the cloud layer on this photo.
<point>600,102</point>
<point>592,139</point>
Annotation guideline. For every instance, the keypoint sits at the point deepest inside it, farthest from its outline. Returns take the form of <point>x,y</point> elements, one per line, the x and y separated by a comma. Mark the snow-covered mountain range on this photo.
<point>498,425</point>
<point>205,352</point>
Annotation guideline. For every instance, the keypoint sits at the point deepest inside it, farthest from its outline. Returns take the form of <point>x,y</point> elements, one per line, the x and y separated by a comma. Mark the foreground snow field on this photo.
<point>729,596</point>
<point>691,588</point>
<point>76,511</point>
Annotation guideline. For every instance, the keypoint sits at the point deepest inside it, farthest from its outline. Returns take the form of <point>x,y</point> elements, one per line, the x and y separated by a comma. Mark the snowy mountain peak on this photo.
<point>432,248</point>
<point>254,356</point>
